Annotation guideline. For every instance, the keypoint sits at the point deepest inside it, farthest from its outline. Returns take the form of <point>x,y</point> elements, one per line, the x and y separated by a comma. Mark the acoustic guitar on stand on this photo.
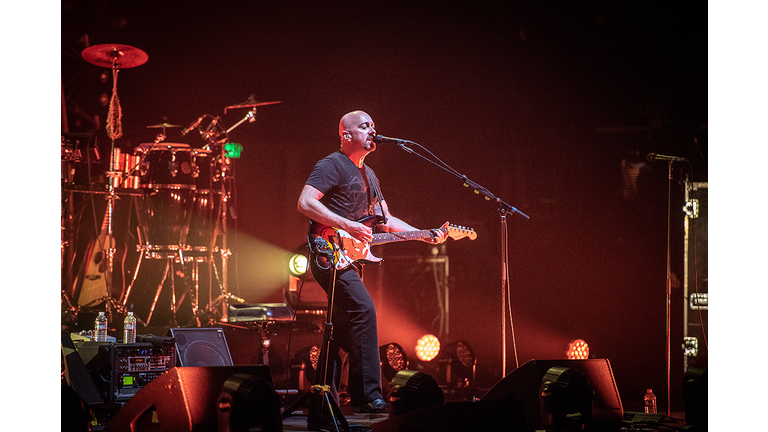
<point>93,281</point>
<point>347,250</point>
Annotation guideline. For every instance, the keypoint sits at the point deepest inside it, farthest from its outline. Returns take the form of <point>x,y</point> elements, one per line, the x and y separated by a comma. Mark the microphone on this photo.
<point>381,139</point>
<point>653,157</point>
<point>194,124</point>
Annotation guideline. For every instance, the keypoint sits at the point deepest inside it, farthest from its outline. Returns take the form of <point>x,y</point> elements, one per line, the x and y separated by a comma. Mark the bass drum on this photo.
<point>167,176</point>
<point>164,216</point>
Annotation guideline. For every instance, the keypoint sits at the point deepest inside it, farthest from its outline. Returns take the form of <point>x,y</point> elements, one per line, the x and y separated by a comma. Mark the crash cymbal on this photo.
<point>250,103</point>
<point>119,56</point>
<point>163,126</point>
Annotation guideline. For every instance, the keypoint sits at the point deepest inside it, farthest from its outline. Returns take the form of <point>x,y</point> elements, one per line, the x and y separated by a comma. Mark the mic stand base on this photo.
<point>327,404</point>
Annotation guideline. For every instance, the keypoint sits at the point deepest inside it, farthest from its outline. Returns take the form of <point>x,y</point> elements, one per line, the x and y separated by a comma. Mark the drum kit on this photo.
<point>180,194</point>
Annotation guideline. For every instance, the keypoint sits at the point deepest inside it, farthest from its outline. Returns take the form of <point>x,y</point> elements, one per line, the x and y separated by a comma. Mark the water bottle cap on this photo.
<point>649,391</point>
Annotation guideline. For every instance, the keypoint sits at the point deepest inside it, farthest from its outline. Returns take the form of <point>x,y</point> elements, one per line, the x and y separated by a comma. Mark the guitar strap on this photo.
<point>377,194</point>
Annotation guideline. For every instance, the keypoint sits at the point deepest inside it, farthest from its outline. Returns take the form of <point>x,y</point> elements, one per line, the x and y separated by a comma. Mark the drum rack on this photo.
<point>181,196</point>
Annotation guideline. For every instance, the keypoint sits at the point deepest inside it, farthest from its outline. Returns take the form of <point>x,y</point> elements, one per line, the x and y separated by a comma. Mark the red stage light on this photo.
<point>577,350</point>
<point>427,347</point>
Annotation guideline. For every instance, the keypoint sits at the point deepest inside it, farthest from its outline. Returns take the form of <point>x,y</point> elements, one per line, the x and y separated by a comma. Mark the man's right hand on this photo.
<point>359,231</point>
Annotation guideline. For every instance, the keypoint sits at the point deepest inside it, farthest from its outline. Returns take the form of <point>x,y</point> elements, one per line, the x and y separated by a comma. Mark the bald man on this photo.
<point>340,192</point>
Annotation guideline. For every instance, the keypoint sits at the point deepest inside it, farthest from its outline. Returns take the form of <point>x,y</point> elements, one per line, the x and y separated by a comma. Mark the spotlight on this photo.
<point>577,350</point>
<point>413,390</point>
<point>393,360</point>
<point>298,264</point>
<point>565,399</point>
<point>427,347</point>
<point>458,363</point>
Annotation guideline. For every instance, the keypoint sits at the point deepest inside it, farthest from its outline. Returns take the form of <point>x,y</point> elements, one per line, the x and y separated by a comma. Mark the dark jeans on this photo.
<point>354,331</point>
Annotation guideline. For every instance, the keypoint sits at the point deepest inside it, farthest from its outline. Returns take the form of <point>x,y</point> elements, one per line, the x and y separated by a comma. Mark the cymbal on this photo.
<point>119,56</point>
<point>251,102</point>
<point>162,126</point>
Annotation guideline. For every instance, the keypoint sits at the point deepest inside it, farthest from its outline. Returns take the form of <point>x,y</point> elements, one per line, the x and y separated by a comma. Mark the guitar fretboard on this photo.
<point>381,238</point>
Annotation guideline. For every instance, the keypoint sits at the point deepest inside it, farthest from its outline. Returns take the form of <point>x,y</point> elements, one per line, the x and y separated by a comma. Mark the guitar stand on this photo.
<point>337,419</point>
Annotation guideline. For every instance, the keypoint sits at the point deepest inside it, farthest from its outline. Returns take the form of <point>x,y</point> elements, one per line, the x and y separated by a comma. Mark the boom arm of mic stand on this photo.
<point>503,206</point>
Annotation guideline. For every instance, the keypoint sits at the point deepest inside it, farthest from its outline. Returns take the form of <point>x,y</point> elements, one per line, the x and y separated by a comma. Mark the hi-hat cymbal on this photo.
<point>119,56</point>
<point>162,126</point>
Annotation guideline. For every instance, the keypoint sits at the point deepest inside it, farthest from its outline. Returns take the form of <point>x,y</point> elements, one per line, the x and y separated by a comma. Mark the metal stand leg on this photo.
<point>321,388</point>
<point>159,289</point>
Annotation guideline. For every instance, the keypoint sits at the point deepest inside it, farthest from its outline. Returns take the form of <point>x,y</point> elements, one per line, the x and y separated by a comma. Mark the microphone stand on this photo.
<point>321,389</point>
<point>668,346</point>
<point>669,288</point>
<point>504,209</point>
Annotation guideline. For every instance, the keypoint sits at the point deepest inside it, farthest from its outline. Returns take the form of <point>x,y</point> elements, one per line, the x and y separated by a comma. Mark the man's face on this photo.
<point>362,130</point>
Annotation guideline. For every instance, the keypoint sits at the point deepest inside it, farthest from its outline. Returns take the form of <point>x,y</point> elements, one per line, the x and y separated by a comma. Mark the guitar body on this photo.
<point>331,245</point>
<point>336,246</point>
<point>355,250</point>
<point>93,283</point>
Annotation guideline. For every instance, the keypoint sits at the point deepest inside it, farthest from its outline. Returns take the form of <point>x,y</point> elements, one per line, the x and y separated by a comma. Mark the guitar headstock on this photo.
<point>457,232</point>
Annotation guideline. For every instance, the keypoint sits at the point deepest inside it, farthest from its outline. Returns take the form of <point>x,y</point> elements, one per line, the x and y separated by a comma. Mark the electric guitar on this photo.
<point>345,250</point>
<point>93,283</point>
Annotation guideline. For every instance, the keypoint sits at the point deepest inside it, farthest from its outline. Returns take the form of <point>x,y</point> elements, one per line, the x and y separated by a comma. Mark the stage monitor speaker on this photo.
<point>187,399</point>
<point>201,347</point>
<point>523,384</point>
<point>458,417</point>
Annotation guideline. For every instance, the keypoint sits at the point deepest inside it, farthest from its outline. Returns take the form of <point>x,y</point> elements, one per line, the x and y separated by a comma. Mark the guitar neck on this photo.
<point>381,238</point>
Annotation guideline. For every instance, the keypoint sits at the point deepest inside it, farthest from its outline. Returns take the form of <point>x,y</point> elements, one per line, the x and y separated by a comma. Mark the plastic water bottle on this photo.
<point>129,328</point>
<point>650,402</point>
<point>100,329</point>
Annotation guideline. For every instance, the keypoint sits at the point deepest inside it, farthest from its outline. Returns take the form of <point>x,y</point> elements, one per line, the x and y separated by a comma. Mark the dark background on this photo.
<point>540,102</point>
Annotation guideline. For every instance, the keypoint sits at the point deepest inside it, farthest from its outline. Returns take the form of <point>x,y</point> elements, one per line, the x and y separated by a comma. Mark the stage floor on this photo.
<point>364,422</point>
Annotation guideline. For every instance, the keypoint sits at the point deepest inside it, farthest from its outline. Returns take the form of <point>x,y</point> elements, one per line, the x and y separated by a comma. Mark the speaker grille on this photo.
<point>202,347</point>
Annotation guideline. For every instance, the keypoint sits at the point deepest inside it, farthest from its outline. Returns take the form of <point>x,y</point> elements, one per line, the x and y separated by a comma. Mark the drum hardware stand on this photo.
<point>323,389</point>
<point>114,56</point>
<point>220,306</point>
<point>169,262</point>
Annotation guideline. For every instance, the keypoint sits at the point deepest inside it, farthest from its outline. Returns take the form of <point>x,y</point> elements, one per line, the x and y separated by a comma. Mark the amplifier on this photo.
<point>136,365</point>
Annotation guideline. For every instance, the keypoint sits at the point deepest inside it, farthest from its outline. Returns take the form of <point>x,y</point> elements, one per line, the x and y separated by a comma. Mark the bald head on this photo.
<point>351,120</point>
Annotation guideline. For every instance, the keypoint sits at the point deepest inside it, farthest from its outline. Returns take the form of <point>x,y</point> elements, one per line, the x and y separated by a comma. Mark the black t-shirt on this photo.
<point>345,190</point>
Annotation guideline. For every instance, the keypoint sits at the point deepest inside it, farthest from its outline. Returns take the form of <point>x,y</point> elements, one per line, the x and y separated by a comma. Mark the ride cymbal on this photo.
<point>251,102</point>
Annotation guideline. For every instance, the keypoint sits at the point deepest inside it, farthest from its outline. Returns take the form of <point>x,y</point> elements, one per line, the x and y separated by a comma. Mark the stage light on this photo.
<point>298,264</point>
<point>412,390</point>
<point>393,360</point>
<point>565,398</point>
<point>427,347</point>
<point>577,350</point>
<point>458,363</point>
